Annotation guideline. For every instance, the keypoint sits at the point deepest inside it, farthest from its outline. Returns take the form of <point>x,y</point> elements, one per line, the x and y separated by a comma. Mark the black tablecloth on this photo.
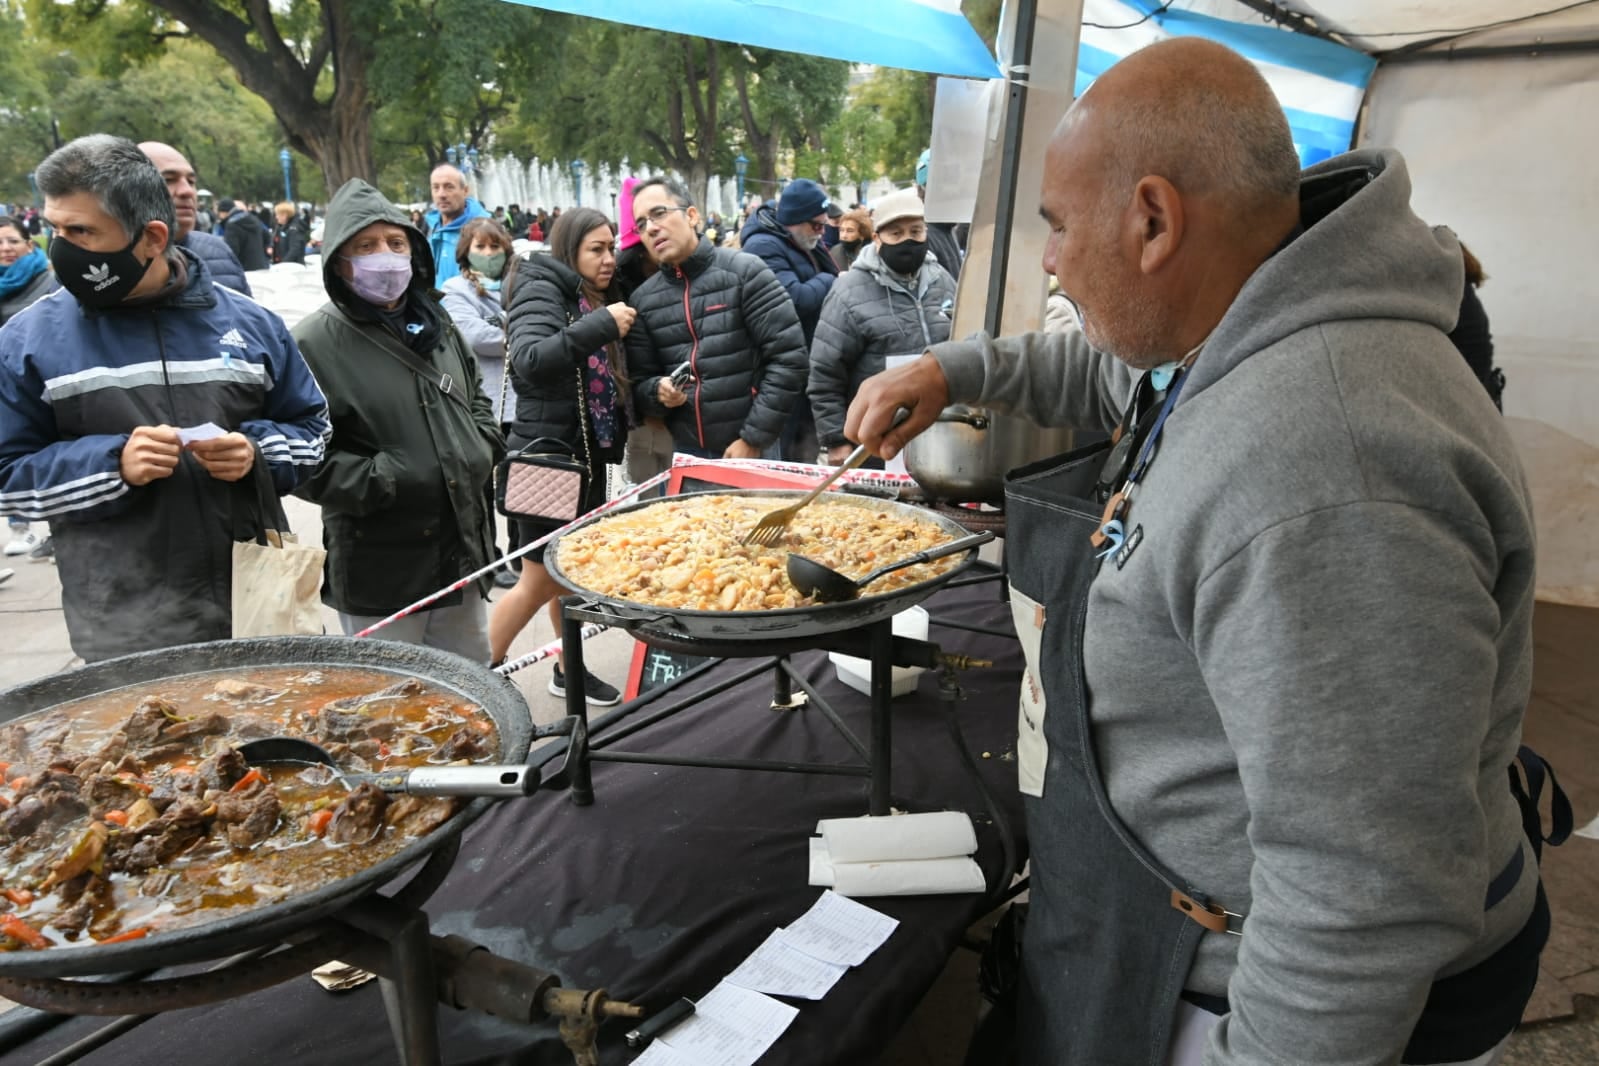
<point>667,882</point>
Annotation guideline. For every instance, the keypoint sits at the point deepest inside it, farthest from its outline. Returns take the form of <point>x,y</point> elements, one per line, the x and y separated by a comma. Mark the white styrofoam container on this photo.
<point>857,672</point>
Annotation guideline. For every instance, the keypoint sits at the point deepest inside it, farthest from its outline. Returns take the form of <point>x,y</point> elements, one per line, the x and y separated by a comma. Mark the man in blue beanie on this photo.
<point>787,237</point>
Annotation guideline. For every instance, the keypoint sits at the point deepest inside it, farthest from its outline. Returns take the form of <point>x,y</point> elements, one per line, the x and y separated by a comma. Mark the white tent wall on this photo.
<point>1500,150</point>
<point>1498,153</point>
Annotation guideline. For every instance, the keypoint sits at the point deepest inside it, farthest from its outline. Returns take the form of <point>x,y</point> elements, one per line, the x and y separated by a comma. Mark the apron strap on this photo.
<point>1530,795</point>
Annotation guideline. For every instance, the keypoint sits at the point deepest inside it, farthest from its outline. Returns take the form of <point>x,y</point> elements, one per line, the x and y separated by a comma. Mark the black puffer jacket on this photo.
<point>551,339</point>
<point>724,313</point>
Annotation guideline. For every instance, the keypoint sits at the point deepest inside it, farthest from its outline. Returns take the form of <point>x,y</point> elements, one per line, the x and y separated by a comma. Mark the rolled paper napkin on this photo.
<point>899,855</point>
<point>906,877</point>
<point>936,835</point>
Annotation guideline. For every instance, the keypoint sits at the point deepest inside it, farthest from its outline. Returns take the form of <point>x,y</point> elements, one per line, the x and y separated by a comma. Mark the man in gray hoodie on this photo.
<point>1268,806</point>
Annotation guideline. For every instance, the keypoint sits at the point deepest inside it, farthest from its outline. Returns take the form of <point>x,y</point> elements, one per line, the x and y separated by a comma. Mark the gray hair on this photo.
<point>675,190</point>
<point>113,170</point>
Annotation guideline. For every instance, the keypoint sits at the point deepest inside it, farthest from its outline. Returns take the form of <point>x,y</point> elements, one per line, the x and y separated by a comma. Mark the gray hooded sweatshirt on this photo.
<point>1308,678</point>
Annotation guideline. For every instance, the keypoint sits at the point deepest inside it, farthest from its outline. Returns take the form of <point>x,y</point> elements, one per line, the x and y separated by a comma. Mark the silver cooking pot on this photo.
<point>964,456</point>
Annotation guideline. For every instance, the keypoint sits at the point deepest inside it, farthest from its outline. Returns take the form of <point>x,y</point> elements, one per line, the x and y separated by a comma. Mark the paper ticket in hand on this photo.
<point>204,431</point>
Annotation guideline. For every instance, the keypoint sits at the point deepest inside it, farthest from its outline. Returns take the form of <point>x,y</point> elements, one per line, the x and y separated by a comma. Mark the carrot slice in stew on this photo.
<point>20,896</point>
<point>131,934</point>
<point>117,817</point>
<point>247,780</point>
<point>17,929</point>
<point>318,822</point>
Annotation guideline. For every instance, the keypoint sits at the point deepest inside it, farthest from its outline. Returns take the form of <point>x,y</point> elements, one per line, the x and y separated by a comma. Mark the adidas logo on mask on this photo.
<point>100,276</point>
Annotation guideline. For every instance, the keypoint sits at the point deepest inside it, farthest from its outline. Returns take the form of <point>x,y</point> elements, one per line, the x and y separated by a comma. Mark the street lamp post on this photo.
<point>288,161</point>
<point>613,208</point>
<point>741,166</point>
<point>449,154</point>
<point>577,181</point>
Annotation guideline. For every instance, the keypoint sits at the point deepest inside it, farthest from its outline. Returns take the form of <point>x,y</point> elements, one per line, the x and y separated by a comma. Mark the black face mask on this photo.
<point>854,245</point>
<point>97,279</point>
<point>903,258</point>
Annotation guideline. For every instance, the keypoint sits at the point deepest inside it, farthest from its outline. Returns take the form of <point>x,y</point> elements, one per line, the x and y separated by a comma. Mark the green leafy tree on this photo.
<point>786,101</point>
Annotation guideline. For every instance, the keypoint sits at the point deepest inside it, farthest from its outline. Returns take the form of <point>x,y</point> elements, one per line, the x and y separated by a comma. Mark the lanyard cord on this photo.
<point>1111,533</point>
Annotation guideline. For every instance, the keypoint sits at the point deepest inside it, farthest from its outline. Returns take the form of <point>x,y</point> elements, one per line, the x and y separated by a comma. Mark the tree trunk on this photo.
<point>337,132</point>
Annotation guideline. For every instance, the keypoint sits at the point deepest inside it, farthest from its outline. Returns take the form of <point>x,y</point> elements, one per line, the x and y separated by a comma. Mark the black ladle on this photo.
<point>826,585</point>
<point>495,782</point>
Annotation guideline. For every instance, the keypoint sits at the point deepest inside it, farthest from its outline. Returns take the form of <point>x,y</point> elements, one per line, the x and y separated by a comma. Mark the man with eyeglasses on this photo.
<point>717,349</point>
<point>1278,656</point>
<point>787,236</point>
<point>404,509</point>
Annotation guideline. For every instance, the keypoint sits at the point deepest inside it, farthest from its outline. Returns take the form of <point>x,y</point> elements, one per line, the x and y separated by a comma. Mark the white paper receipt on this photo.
<point>780,969</point>
<point>658,1054</point>
<point>839,930</point>
<point>204,431</point>
<point>731,1026</point>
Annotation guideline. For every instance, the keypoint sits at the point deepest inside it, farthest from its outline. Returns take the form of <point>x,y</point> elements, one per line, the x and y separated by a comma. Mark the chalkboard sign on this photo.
<point>656,667</point>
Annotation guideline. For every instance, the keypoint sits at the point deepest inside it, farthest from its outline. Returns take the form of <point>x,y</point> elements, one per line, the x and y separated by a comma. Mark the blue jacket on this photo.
<point>218,258</point>
<point>807,277</point>
<point>442,237</point>
<point>149,566</point>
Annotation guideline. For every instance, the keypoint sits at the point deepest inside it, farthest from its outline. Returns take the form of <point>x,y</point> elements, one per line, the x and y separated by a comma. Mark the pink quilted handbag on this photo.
<point>540,484</point>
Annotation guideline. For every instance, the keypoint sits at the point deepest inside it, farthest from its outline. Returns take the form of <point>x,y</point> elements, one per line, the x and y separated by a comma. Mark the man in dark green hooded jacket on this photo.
<point>403,488</point>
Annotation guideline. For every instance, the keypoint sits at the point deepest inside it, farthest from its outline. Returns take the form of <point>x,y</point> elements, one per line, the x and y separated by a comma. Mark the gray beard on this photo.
<point>807,240</point>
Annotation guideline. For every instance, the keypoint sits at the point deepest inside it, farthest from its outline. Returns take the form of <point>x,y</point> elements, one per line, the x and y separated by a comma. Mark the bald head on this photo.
<point>1195,113</point>
<point>449,191</point>
<point>1166,185</point>
<point>181,182</point>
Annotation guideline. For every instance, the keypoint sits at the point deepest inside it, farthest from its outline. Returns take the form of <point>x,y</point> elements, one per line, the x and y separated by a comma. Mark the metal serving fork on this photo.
<point>769,530</point>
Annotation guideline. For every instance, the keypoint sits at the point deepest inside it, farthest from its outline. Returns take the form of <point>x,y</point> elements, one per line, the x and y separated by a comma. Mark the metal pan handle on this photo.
<point>493,781</point>
<point>959,544</point>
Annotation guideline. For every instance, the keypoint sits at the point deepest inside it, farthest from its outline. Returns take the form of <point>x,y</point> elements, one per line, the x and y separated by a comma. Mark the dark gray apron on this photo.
<point>1106,952</point>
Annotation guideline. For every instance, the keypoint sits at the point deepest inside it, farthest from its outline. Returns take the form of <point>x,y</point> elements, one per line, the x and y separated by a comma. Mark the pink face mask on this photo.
<point>380,278</point>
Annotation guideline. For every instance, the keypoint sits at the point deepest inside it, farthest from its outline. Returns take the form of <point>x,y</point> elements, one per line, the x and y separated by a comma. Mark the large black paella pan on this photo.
<point>271,920</point>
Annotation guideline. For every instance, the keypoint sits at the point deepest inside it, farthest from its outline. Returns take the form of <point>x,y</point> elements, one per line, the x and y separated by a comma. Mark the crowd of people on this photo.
<point>1281,629</point>
<point>438,350</point>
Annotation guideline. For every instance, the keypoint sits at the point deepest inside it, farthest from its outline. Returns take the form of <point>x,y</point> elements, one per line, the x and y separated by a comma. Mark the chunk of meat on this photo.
<point>164,839</point>
<point>417,816</point>
<point>243,691</point>
<point>208,725</point>
<point>222,770</point>
<point>409,687</point>
<point>149,717</point>
<point>249,816</point>
<point>359,818</point>
<point>464,743</point>
<point>107,792</point>
<point>336,725</point>
<point>45,810</point>
<point>59,780</point>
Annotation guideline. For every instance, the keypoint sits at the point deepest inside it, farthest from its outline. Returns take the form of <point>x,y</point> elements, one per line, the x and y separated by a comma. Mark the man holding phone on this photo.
<point>717,349</point>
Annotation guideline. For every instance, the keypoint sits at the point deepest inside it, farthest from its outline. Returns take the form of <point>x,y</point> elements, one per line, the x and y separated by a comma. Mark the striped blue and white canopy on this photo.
<point>1319,84</point>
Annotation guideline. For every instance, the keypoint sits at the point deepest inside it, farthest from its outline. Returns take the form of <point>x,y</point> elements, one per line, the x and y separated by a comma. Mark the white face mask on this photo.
<point>380,278</point>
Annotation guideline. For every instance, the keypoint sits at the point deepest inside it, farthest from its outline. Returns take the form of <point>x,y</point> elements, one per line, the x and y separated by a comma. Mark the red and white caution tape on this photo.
<point>541,653</point>
<point>641,487</point>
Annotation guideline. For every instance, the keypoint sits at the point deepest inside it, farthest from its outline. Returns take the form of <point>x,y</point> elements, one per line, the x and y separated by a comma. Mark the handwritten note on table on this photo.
<point>731,1026</point>
<point>839,930</point>
<point>780,969</point>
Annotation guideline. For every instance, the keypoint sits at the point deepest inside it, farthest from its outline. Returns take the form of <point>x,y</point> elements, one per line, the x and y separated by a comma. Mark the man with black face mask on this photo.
<point>404,507</point>
<point>138,406</point>
<point>893,303</point>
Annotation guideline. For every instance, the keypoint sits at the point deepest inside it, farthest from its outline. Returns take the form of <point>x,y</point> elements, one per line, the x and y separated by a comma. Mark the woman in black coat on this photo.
<point>565,326</point>
<point>289,235</point>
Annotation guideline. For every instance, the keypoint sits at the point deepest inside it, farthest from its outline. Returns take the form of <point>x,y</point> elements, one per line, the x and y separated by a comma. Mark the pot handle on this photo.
<point>493,781</point>
<point>975,419</point>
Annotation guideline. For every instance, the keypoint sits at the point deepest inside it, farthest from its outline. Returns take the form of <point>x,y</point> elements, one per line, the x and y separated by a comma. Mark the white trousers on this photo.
<point>1192,1027</point>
